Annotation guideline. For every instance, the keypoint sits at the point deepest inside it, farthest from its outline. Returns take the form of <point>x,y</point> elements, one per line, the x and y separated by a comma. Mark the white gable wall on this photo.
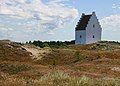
<point>89,32</point>
<point>82,39</point>
<point>93,31</point>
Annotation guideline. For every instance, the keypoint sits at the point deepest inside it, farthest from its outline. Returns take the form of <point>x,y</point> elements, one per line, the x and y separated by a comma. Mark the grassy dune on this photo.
<point>77,65</point>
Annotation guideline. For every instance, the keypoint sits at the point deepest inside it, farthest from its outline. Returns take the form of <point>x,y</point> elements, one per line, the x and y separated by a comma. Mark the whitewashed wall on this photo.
<point>81,40</point>
<point>87,35</point>
<point>90,31</point>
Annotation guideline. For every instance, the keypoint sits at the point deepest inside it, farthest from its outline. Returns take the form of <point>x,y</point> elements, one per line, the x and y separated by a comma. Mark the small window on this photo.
<point>93,36</point>
<point>93,25</point>
<point>80,36</point>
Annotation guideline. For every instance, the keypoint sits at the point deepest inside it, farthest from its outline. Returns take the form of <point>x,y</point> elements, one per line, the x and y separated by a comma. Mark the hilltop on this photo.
<point>28,64</point>
<point>13,51</point>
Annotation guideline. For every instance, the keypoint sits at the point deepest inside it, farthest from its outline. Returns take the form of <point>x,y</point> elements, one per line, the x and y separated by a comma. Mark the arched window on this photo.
<point>80,36</point>
<point>93,36</point>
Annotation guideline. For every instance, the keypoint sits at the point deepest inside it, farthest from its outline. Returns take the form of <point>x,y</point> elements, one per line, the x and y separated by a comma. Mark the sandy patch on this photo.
<point>37,53</point>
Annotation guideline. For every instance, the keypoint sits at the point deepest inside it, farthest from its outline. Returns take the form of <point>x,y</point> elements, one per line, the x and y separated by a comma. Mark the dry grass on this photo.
<point>102,45</point>
<point>12,51</point>
<point>68,56</point>
<point>78,65</point>
<point>57,78</point>
<point>14,68</point>
<point>91,63</point>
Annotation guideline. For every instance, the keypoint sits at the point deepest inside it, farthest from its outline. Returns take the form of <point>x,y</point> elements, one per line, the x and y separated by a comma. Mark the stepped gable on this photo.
<point>82,24</point>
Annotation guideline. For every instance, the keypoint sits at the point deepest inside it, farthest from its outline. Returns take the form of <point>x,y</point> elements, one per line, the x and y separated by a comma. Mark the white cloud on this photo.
<point>14,12</point>
<point>111,23</point>
<point>41,17</point>
<point>116,5</point>
<point>6,29</point>
<point>36,8</point>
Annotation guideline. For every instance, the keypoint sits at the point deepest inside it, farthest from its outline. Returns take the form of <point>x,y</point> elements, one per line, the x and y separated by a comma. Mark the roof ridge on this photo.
<point>82,24</point>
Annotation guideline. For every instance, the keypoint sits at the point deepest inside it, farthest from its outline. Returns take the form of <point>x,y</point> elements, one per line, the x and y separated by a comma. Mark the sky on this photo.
<point>55,20</point>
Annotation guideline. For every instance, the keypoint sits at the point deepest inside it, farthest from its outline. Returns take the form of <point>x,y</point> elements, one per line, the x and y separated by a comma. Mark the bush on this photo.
<point>44,45</point>
<point>77,57</point>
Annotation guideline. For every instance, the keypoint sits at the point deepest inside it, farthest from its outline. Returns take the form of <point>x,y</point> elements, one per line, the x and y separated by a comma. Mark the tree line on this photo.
<point>52,44</point>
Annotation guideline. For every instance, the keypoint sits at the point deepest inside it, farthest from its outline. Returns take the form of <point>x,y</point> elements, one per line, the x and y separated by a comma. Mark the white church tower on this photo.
<point>88,29</point>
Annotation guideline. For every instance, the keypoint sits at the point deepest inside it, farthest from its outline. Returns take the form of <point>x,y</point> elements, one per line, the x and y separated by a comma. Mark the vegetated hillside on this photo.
<point>74,65</point>
<point>98,59</point>
<point>83,53</point>
<point>102,45</point>
<point>12,51</point>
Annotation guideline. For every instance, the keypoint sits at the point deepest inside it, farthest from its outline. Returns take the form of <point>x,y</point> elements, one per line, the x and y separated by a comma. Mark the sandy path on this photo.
<point>37,53</point>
